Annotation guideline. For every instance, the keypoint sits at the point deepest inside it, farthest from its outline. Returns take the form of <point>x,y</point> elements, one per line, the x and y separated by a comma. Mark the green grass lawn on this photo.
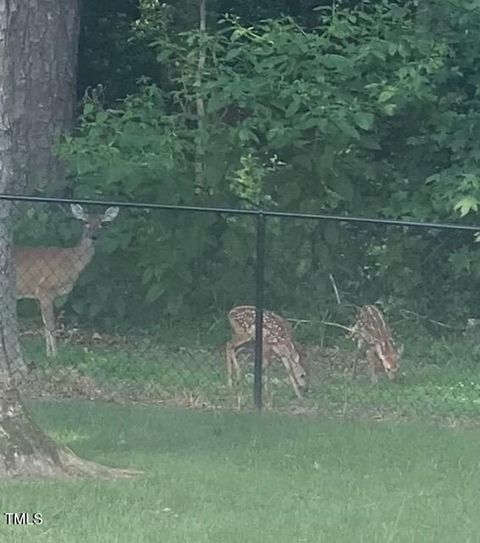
<point>240,477</point>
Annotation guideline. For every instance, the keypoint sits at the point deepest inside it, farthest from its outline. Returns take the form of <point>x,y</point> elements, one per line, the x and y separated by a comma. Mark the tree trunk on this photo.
<point>45,36</point>
<point>200,144</point>
<point>25,451</point>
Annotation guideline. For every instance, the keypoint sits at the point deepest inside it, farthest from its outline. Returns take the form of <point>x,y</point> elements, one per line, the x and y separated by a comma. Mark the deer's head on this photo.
<point>389,357</point>
<point>93,222</point>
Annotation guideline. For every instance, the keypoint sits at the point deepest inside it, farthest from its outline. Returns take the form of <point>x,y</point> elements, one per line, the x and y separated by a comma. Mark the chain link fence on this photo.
<point>132,301</point>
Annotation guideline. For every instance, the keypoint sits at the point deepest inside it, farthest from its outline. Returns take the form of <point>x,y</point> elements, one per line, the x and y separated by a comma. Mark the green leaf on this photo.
<point>337,62</point>
<point>237,34</point>
<point>466,204</point>
<point>88,108</point>
<point>386,95</point>
<point>347,128</point>
<point>390,109</point>
<point>245,134</point>
<point>392,48</point>
<point>232,53</point>
<point>293,107</point>
<point>154,292</point>
<point>364,120</point>
<point>101,117</point>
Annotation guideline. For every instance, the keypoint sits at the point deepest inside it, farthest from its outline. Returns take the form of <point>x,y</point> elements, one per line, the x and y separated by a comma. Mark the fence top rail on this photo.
<point>250,212</point>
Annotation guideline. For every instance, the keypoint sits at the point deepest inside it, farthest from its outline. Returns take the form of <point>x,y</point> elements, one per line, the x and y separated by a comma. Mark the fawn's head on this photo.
<point>374,331</point>
<point>389,357</point>
<point>93,222</point>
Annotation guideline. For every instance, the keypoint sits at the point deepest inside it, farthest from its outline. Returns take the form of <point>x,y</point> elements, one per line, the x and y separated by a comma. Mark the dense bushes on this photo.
<point>374,112</point>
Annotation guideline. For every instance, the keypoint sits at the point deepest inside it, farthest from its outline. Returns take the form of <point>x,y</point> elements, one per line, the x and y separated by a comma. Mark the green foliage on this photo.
<point>373,112</point>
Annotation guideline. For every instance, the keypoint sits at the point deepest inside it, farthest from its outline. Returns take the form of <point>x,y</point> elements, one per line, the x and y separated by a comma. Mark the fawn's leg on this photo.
<point>48,318</point>
<point>232,363</point>
<point>291,378</point>
<point>372,362</point>
<point>358,352</point>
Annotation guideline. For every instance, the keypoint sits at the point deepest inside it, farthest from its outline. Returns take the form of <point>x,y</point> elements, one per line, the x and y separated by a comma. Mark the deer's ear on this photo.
<point>78,213</point>
<point>110,214</point>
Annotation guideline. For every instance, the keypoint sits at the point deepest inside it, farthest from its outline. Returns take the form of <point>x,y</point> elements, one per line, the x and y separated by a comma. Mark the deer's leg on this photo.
<point>355,363</point>
<point>291,378</point>
<point>232,363</point>
<point>228,357</point>
<point>358,352</point>
<point>48,318</point>
<point>372,362</point>
<point>296,389</point>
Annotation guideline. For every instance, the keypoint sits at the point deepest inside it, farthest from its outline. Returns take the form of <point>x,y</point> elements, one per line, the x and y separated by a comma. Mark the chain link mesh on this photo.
<point>134,307</point>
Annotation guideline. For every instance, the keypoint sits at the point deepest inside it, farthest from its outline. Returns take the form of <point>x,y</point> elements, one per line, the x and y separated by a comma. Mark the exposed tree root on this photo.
<point>26,452</point>
<point>78,467</point>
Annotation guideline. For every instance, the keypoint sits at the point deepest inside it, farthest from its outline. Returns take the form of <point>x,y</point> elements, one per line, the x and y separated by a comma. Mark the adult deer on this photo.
<point>277,342</point>
<point>44,273</point>
<point>373,335</point>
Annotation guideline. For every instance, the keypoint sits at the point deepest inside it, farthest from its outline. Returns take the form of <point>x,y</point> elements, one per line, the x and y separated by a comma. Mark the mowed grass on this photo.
<point>239,477</point>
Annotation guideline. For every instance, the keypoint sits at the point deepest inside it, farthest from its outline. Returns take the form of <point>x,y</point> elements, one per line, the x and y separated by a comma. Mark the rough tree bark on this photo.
<point>25,451</point>
<point>199,144</point>
<point>45,36</point>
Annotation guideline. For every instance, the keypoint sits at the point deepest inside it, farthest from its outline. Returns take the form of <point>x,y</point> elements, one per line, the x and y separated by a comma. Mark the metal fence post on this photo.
<point>259,295</point>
